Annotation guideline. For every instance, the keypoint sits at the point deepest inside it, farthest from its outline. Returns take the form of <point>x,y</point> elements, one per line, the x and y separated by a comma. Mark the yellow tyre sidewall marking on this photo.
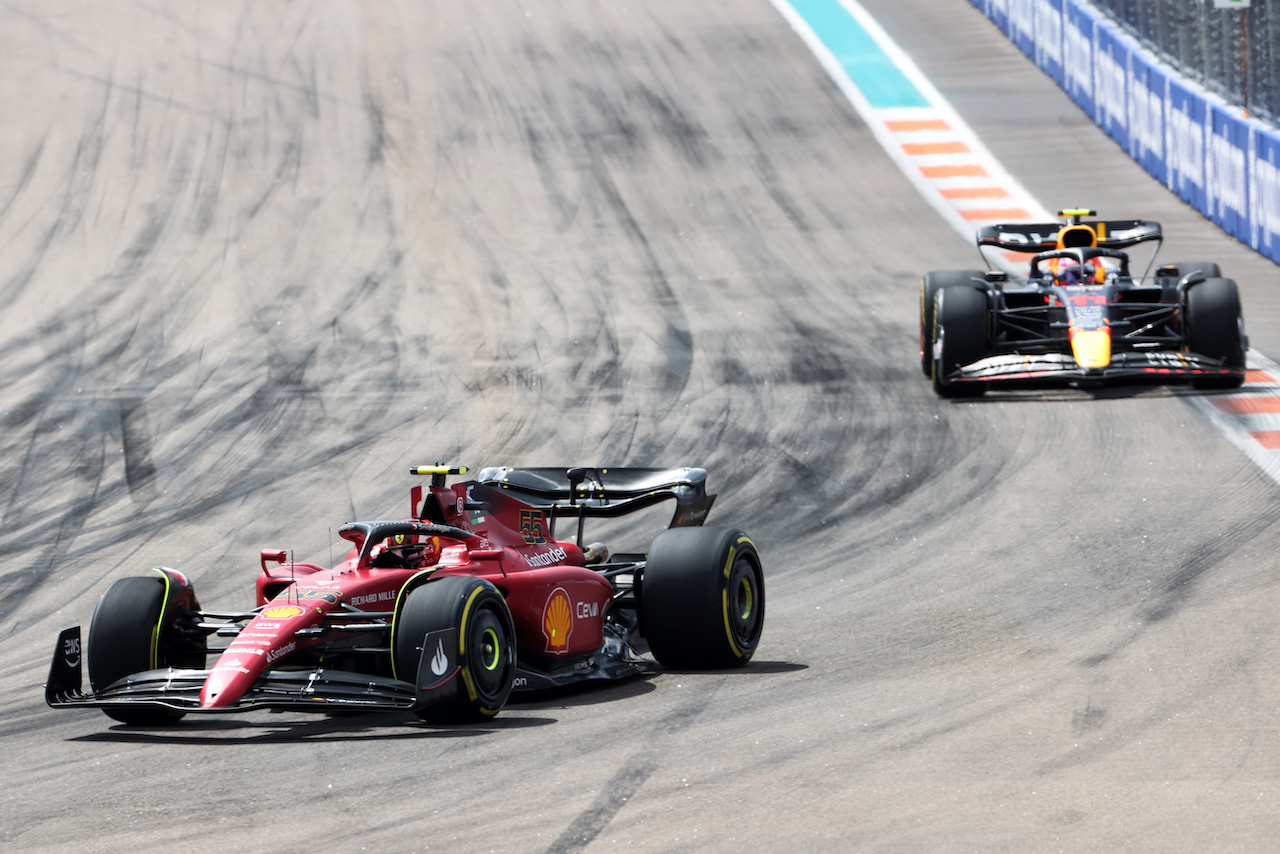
<point>724,594</point>
<point>409,587</point>
<point>462,652</point>
<point>153,655</point>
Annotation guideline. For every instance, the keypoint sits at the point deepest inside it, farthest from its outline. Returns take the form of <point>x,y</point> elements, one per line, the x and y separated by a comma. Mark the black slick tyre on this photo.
<point>125,637</point>
<point>486,641</point>
<point>1208,268</point>
<point>1213,324</point>
<point>702,598</point>
<point>959,338</point>
<point>933,282</point>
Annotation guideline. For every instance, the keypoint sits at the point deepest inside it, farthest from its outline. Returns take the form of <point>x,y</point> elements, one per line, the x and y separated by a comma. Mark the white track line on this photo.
<point>937,151</point>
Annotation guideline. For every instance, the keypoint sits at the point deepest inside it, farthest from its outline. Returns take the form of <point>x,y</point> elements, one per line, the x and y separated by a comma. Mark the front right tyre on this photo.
<point>959,338</point>
<point>127,636</point>
<point>933,282</point>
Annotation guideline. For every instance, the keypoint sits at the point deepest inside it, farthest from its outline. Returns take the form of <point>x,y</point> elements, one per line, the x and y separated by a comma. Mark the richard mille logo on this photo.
<point>439,661</point>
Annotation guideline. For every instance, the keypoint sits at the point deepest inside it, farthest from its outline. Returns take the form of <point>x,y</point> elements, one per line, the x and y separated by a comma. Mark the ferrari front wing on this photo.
<point>314,689</point>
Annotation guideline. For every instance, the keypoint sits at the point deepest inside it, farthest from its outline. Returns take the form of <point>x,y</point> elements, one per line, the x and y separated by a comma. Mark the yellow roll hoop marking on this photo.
<point>438,470</point>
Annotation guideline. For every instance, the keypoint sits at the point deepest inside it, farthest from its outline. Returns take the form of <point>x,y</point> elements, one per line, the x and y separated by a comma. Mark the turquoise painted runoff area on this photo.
<point>881,82</point>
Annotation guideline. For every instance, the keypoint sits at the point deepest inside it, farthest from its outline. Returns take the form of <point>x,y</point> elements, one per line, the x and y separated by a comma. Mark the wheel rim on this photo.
<point>746,599</point>
<point>491,653</point>
<point>743,603</point>
<point>490,650</point>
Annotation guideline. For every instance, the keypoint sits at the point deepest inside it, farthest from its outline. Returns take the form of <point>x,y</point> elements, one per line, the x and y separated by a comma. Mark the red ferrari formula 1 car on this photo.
<point>444,613</point>
<point>1080,317</point>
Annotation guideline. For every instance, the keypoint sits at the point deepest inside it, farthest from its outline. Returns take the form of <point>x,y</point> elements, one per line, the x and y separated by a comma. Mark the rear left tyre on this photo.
<point>1208,268</point>
<point>702,598</point>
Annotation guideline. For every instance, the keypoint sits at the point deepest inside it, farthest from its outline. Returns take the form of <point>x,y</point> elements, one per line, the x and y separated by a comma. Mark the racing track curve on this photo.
<point>259,258</point>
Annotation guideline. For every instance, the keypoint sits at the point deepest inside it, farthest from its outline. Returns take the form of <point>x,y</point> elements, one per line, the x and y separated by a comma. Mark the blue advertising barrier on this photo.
<point>1184,142</point>
<point>1226,181</point>
<point>1225,166</point>
<point>1264,194</point>
<point>1048,35</point>
<point>1110,84</point>
<point>1022,25</point>
<point>1077,56</point>
<point>1146,116</point>
<point>998,12</point>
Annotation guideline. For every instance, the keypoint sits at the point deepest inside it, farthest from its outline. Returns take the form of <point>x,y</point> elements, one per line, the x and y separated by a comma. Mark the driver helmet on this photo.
<point>403,551</point>
<point>1067,271</point>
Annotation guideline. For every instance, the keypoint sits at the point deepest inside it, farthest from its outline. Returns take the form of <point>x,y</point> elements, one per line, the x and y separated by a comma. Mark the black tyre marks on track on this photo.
<point>634,772</point>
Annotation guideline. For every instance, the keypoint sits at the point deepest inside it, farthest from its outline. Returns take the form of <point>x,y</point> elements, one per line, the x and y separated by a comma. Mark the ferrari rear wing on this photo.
<point>605,492</point>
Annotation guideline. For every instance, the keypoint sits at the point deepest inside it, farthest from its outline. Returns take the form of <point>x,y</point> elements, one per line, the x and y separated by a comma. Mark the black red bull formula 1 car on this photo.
<point>443,614</point>
<point>1080,316</point>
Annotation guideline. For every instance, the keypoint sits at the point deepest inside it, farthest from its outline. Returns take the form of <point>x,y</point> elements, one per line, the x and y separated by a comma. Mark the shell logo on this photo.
<point>557,621</point>
<point>283,612</point>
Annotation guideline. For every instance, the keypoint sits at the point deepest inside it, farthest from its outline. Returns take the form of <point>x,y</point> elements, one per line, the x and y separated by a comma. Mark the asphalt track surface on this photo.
<point>259,258</point>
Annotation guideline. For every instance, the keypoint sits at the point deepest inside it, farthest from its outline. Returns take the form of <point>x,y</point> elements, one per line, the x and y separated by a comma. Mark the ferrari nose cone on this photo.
<point>218,690</point>
<point>233,674</point>
<point>1092,349</point>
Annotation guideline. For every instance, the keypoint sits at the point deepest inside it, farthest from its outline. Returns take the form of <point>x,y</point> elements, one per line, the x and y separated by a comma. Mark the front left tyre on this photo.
<point>1215,329</point>
<point>486,654</point>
